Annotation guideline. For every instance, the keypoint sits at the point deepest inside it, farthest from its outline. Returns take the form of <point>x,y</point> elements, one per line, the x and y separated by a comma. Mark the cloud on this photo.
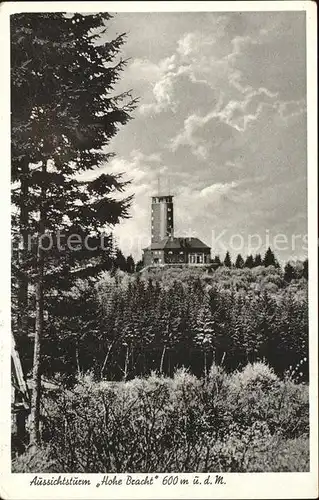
<point>217,190</point>
<point>150,71</point>
<point>191,43</point>
<point>235,114</point>
<point>291,110</point>
<point>197,60</point>
<point>223,100</point>
<point>163,91</point>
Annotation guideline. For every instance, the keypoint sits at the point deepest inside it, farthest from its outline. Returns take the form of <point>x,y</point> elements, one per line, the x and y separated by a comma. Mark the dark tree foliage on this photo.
<point>289,272</point>
<point>216,262</point>
<point>227,260</point>
<point>64,114</point>
<point>305,269</point>
<point>249,262</point>
<point>239,263</point>
<point>270,259</point>
<point>154,324</point>
<point>130,264</point>
<point>120,261</point>
<point>258,260</point>
<point>139,265</point>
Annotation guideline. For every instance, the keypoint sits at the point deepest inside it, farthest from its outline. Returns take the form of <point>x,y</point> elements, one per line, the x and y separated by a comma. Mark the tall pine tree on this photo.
<point>63,115</point>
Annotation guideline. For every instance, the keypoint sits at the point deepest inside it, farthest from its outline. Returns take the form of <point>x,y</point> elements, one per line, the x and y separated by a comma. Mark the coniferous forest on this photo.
<point>164,319</point>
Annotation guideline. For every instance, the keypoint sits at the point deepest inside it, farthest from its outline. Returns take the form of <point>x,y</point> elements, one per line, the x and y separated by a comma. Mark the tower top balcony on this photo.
<point>168,198</point>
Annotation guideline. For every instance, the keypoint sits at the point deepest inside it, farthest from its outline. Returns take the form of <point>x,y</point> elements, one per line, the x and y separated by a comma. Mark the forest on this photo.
<point>164,319</point>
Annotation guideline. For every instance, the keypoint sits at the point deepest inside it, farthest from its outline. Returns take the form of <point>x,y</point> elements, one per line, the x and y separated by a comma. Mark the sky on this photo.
<point>221,120</point>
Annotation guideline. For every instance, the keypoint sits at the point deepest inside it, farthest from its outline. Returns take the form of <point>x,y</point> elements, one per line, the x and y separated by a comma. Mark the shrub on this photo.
<point>232,422</point>
<point>257,394</point>
<point>35,461</point>
<point>255,375</point>
<point>291,455</point>
<point>217,377</point>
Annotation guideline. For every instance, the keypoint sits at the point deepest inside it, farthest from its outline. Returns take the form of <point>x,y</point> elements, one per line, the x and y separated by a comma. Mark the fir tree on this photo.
<point>120,261</point>
<point>239,264</point>
<point>227,260</point>
<point>258,260</point>
<point>130,264</point>
<point>205,331</point>
<point>249,262</point>
<point>216,261</point>
<point>139,265</point>
<point>63,114</point>
<point>289,272</point>
<point>269,259</point>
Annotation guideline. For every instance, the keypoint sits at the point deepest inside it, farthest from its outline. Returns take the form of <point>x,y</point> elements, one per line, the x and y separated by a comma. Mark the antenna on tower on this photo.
<point>158,185</point>
<point>169,185</point>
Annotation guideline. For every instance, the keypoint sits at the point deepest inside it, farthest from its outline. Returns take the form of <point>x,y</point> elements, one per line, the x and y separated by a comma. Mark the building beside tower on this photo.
<point>165,248</point>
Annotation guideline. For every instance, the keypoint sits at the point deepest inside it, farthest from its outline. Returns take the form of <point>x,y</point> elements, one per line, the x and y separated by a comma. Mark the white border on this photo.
<point>257,485</point>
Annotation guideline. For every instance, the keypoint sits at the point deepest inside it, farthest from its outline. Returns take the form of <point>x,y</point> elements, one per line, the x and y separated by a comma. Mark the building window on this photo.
<point>170,251</point>
<point>181,252</point>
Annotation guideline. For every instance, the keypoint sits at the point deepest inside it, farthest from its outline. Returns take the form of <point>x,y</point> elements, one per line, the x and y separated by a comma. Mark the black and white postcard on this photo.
<point>159,249</point>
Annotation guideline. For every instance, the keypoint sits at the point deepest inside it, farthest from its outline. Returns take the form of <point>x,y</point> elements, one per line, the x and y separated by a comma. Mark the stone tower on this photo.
<point>162,222</point>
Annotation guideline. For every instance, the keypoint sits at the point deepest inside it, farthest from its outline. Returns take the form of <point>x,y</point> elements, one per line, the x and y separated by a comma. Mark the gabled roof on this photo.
<point>178,243</point>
